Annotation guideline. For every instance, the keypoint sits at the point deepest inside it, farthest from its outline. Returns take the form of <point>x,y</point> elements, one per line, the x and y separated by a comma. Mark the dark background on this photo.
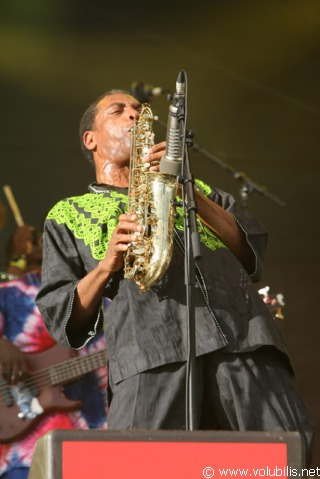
<point>254,102</point>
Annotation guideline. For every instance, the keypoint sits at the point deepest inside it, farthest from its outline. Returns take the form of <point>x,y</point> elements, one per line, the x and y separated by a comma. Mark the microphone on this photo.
<point>144,92</point>
<point>170,163</point>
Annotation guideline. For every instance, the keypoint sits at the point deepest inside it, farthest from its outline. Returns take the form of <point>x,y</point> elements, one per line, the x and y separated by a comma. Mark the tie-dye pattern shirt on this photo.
<point>22,324</point>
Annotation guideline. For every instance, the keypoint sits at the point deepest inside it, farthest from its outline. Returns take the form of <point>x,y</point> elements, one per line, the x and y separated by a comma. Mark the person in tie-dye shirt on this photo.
<point>22,331</point>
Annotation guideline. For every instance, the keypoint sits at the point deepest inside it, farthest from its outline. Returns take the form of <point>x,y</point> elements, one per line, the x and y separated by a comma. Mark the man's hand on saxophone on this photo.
<point>154,156</point>
<point>125,233</point>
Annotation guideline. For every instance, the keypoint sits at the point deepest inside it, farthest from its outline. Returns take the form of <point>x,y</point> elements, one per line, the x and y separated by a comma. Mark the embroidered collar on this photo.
<point>101,188</point>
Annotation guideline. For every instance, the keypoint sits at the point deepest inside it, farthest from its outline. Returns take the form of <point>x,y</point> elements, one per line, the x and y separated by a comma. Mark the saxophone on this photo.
<point>150,197</point>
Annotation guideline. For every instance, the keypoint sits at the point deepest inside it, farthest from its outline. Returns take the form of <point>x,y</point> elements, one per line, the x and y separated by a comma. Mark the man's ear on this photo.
<point>89,140</point>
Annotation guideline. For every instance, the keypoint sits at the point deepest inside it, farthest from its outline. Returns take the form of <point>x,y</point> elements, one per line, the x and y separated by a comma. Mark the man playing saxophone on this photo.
<point>245,379</point>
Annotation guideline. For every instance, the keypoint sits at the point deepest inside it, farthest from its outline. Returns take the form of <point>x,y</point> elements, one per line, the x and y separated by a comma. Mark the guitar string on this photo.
<point>43,377</point>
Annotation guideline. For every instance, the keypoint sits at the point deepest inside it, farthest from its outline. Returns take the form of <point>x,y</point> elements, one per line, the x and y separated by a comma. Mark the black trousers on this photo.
<point>248,392</point>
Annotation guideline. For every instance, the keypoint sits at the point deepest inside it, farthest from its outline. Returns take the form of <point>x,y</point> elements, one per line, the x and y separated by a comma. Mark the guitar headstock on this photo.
<point>274,302</point>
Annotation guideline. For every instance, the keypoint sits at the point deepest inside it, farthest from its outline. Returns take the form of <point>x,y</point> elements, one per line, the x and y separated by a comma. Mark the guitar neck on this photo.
<point>67,371</point>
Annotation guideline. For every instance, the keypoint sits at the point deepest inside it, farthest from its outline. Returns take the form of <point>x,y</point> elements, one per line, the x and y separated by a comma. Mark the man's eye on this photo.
<point>115,112</point>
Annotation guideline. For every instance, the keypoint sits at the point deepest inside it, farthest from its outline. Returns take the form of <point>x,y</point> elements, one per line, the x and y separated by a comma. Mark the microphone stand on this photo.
<point>192,253</point>
<point>192,243</point>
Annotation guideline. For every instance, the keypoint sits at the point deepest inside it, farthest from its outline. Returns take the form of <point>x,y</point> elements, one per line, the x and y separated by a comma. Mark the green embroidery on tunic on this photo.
<point>206,235</point>
<point>205,189</point>
<point>93,217</point>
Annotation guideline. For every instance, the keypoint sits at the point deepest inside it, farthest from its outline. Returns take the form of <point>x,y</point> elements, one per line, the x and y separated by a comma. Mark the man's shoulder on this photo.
<point>70,200</point>
<point>64,207</point>
<point>98,206</point>
<point>84,201</point>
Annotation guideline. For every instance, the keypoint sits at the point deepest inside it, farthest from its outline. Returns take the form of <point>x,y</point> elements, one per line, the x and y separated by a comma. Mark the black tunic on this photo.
<point>146,330</point>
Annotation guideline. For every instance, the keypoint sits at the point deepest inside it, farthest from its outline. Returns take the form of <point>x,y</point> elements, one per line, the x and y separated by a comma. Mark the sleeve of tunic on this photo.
<point>255,232</point>
<point>62,268</point>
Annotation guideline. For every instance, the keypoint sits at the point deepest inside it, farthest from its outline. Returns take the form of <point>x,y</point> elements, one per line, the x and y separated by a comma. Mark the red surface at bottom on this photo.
<point>166,460</point>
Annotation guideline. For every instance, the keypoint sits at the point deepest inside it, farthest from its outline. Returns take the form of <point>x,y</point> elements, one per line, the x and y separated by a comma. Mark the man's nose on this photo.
<point>132,113</point>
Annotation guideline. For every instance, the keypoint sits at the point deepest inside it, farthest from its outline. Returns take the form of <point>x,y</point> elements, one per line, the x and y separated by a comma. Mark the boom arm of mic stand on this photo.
<point>248,185</point>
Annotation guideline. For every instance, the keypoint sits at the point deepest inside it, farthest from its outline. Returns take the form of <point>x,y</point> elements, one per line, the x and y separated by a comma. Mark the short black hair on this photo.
<point>88,120</point>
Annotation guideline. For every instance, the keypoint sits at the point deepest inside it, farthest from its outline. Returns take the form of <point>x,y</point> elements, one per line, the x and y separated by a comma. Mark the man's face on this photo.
<point>116,115</point>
